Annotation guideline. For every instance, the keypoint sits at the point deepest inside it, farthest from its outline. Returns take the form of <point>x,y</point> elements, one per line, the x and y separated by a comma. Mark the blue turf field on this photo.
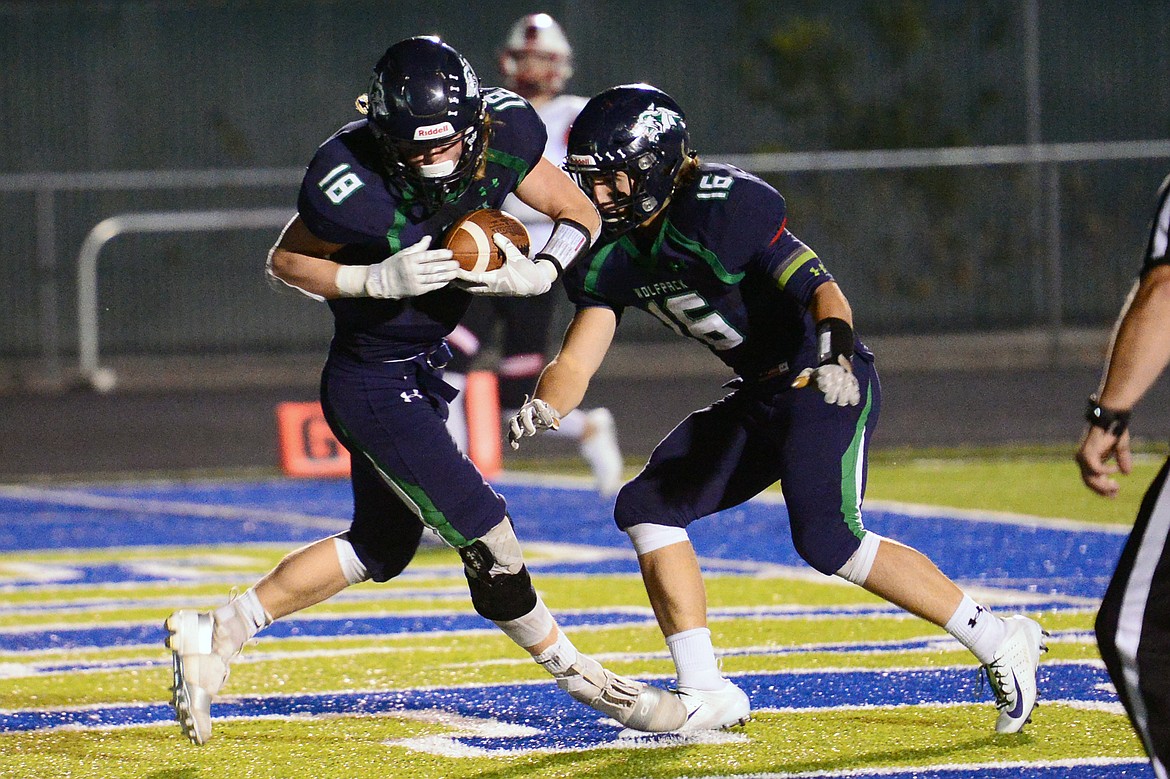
<point>1032,557</point>
<point>1052,562</point>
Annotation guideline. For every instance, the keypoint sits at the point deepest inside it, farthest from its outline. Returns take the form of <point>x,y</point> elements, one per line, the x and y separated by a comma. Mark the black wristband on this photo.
<point>1112,422</point>
<point>834,339</point>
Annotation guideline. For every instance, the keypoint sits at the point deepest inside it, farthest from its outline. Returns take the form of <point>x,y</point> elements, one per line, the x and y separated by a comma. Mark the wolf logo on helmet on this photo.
<point>655,121</point>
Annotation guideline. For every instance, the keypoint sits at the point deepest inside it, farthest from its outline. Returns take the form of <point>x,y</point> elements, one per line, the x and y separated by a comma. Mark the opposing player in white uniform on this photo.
<point>535,63</point>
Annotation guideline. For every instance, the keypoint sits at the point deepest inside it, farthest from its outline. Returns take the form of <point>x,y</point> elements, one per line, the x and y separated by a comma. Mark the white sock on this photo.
<point>977,629</point>
<point>237,621</point>
<point>559,657</point>
<point>694,659</point>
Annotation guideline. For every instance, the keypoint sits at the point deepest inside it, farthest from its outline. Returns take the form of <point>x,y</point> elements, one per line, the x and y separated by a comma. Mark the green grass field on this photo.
<point>771,622</point>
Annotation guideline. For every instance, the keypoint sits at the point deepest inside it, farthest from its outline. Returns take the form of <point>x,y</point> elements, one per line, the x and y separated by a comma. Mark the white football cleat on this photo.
<point>600,450</point>
<point>634,704</point>
<point>1012,673</point>
<point>714,709</point>
<point>200,672</point>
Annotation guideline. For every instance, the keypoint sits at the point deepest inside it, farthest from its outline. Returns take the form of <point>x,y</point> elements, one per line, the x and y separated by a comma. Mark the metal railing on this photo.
<point>45,188</point>
<point>103,379</point>
<point>1042,159</point>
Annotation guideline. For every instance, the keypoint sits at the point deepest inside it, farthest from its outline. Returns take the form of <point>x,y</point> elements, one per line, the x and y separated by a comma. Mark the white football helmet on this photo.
<point>537,58</point>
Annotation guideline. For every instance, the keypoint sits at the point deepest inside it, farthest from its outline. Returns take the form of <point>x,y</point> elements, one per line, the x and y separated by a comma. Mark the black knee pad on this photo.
<point>501,596</point>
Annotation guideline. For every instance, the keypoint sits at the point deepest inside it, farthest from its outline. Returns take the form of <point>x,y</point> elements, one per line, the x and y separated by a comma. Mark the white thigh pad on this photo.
<point>856,569</point>
<point>353,569</point>
<point>648,537</point>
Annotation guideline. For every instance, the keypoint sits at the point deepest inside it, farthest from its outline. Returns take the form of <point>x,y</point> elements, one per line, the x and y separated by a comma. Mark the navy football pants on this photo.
<point>407,471</point>
<point>722,455</point>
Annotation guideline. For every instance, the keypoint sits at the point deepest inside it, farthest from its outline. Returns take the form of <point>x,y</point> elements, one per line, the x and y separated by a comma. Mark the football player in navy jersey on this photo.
<point>433,146</point>
<point>706,249</point>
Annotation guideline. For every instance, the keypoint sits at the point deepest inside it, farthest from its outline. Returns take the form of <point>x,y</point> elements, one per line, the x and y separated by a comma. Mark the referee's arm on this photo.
<point>1141,343</point>
<point>1139,353</point>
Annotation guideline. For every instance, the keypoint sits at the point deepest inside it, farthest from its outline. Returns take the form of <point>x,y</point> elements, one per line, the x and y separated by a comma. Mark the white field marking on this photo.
<point>107,665</point>
<point>1101,706</point>
<point>227,578</point>
<point>446,745</point>
<point>93,604</point>
<point>39,572</point>
<point>912,771</point>
<point>20,670</point>
<point>908,509</point>
<point>182,508</point>
<point>1109,707</point>
<point>644,614</point>
<point>535,682</point>
<point>12,670</point>
<point>998,517</point>
<point>992,596</point>
<point>30,670</point>
<point>943,644</point>
<point>537,552</point>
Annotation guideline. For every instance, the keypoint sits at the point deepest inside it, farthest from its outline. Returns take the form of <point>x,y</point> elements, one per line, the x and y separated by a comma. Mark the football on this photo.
<point>471,239</point>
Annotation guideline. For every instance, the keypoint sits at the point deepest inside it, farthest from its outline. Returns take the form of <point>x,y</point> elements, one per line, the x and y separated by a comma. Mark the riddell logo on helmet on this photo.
<point>581,159</point>
<point>434,131</point>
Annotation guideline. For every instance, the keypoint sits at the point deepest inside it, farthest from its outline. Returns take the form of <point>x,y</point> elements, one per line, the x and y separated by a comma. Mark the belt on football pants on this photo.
<point>768,374</point>
<point>428,366</point>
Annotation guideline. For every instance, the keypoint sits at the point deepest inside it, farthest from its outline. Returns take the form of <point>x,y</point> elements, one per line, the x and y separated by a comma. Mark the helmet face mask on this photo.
<point>635,130</point>
<point>619,192</point>
<point>423,99</point>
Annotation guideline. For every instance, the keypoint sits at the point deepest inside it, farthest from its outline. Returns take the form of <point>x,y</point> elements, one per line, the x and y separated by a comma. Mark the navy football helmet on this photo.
<point>633,129</point>
<point>425,95</point>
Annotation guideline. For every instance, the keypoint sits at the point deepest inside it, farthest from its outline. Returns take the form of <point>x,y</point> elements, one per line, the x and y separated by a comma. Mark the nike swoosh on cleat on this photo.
<point>1018,709</point>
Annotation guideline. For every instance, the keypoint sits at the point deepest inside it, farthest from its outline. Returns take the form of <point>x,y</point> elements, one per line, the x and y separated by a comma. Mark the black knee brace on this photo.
<point>501,596</point>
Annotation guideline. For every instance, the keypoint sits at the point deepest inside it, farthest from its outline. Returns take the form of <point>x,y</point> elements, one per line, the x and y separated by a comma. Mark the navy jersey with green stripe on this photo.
<point>345,199</point>
<point>723,269</point>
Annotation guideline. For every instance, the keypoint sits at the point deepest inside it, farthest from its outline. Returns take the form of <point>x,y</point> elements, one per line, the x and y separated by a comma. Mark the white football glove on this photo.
<point>535,415</point>
<point>413,271</point>
<point>517,277</point>
<point>835,380</point>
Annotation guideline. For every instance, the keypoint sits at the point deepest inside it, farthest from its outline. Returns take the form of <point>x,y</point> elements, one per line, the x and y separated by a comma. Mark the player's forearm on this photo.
<point>562,385</point>
<point>1140,350</point>
<point>313,275</point>
<point>829,301</point>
